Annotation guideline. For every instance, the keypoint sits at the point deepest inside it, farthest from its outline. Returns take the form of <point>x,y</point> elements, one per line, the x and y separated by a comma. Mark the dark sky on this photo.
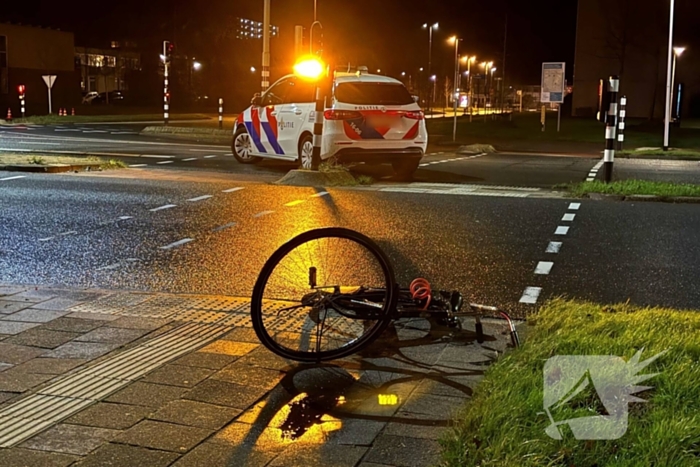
<point>382,34</point>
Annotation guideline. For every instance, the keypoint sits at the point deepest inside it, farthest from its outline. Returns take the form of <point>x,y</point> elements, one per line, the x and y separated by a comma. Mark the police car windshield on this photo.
<point>373,94</point>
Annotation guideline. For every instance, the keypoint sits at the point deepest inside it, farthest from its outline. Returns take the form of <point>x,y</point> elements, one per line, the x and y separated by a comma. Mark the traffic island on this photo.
<point>56,164</point>
<point>211,135</point>
<point>636,190</point>
<point>320,179</point>
<point>515,414</point>
<point>476,149</point>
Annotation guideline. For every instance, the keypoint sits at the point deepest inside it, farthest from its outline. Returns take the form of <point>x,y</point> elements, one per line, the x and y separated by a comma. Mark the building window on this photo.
<point>4,77</point>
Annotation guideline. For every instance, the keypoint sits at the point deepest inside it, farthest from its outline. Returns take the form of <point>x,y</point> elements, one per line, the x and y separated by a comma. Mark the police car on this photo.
<point>371,119</point>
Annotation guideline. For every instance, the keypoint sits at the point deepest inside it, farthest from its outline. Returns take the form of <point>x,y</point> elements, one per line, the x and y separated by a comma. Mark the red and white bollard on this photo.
<point>9,115</point>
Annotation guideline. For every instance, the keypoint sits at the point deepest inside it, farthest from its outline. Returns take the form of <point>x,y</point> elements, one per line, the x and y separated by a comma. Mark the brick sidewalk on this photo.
<point>124,379</point>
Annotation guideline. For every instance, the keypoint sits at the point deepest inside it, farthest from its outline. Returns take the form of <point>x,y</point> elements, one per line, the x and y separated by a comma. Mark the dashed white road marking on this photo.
<point>574,206</point>
<point>224,227</point>
<point>46,239</point>
<point>209,150</point>
<point>210,157</point>
<point>561,230</point>
<point>264,213</point>
<point>321,194</point>
<point>544,268</point>
<point>177,244</point>
<point>189,159</point>
<point>568,217</point>
<point>17,177</point>
<point>162,208</point>
<point>125,218</point>
<point>530,295</point>
<point>134,166</point>
<point>200,198</point>
<point>165,162</point>
<point>94,131</point>
<point>295,203</point>
<point>111,267</point>
<point>65,234</point>
<point>232,190</point>
<point>124,133</point>
<point>554,247</point>
<point>156,156</point>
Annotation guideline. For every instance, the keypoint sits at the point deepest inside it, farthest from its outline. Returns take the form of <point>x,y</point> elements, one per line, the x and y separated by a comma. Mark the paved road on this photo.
<point>440,166</point>
<point>121,230</point>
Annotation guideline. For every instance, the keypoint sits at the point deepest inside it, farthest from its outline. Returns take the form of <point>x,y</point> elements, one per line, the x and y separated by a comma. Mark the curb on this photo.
<point>59,168</point>
<point>316,179</point>
<point>644,198</point>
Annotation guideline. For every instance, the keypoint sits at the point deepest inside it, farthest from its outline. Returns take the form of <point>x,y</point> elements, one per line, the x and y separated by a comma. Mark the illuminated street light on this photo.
<point>196,66</point>
<point>430,29</point>
<point>677,52</point>
<point>162,57</point>
<point>403,73</point>
<point>252,69</point>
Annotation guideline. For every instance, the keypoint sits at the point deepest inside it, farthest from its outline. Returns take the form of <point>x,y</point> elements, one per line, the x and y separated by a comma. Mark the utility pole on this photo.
<point>505,43</point>
<point>667,119</point>
<point>266,47</point>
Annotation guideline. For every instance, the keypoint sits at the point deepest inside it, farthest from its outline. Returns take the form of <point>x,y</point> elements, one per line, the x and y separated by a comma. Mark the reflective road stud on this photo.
<point>609,154</point>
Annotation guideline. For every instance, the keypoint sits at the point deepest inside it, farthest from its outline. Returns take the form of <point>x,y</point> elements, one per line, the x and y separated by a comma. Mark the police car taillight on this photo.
<point>341,114</point>
<point>419,115</point>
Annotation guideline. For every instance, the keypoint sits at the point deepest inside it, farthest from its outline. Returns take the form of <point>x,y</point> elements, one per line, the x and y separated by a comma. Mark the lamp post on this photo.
<point>455,40</point>
<point>430,29</point>
<point>492,87</point>
<point>677,52</point>
<point>667,119</point>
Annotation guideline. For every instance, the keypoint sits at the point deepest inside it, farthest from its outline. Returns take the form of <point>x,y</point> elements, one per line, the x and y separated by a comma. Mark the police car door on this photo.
<point>264,121</point>
<point>294,117</point>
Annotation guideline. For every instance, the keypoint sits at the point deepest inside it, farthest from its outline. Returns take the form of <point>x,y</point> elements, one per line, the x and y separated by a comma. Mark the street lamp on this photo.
<point>677,52</point>
<point>671,55</point>
<point>252,69</point>
<point>196,66</point>
<point>430,29</point>
<point>455,40</point>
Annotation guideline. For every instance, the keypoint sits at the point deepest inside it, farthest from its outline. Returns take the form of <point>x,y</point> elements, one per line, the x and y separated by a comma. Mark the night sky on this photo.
<point>382,34</point>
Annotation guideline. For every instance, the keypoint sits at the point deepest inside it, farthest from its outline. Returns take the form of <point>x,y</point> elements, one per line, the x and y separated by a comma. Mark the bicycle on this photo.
<point>328,293</point>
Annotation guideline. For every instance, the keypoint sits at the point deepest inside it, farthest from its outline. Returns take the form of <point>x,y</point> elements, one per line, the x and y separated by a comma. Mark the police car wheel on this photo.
<point>306,153</point>
<point>242,148</point>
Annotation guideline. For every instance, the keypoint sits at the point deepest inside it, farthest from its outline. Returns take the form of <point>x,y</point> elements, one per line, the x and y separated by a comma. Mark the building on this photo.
<point>27,53</point>
<point>105,70</point>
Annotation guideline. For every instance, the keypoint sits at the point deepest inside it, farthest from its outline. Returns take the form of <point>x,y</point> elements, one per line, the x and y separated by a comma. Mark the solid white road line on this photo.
<point>165,162</point>
<point>65,234</point>
<point>264,213</point>
<point>200,198</point>
<point>189,159</point>
<point>295,203</point>
<point>17,177</point>
<point>561,230</point>
<point>134,166</point>
<point>37,142</point>
<point>568,217</point>
<point>574,206</point>
<point>554,247</point>
<point>224,227</point>
<point>531,295</point>
<point>177,244</point>
<point>232,190</point>
<point>167,206</point>
<point>544,268</point>
<point>209,150</point>
<point>210,157</point>
<point>321,194</point>
<point>46,239</point>
<point>125,218</point>
<point>155,156</point>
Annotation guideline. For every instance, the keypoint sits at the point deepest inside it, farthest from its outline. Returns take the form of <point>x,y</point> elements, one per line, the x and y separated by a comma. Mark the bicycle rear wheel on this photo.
<point>324,295</point>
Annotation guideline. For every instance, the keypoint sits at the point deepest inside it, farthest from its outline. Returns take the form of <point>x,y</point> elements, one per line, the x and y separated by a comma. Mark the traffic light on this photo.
<point>168,48</point>
<point>21,89</point>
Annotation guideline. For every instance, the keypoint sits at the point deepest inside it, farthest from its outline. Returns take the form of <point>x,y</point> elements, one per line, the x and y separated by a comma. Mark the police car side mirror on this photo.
<point>257,100</point>
<point>416,99</point>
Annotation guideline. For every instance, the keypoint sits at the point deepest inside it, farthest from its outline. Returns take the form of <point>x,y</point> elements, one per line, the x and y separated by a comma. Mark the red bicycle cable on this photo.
<point>420,290</point>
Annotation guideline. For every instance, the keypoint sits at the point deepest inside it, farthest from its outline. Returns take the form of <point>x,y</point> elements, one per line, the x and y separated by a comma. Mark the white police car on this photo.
<point>371,119</point>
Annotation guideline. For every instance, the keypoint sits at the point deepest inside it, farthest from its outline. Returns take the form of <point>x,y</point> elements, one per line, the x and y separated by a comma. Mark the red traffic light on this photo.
<point>21,88</point>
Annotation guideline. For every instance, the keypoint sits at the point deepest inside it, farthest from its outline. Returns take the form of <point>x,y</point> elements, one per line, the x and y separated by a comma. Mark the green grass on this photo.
<point>114,164</point>
<point>187,130</point>
<point>673,154</point>
<point>504,424</point>
<point>38,160</point>
<point>54,119</point>
<point>634,187</point>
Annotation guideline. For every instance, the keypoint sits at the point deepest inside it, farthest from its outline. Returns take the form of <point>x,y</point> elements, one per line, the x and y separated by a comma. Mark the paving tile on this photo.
<point>210,454</point>
<point>414,428</point>
<point>7,308</point>
<point>73,324</point>
<point>6,396</point>
<point>120,455</point>
<point>265,359</point>
<point>438,407</point>
<point>17,457</point>
<point>16,354</point>
<point>197,414</point>
<point>225,347</point>
<point>404,452</point>
<point>450,386</point>
<point>146,394</point>
<point>242,335</point>
<point>32,315</point>
<point>51,366</point>
<point>89,350</point>
<point>223,393</point>
<point>15,327</point>
<point>93,316</point>
<point>205,360</point>
<point>13,380</point>
<point>11,290</point>
<point>164,436</point>
<point>44,338</point>
<point>178,375</point>
<point>133,322</point>
<point>248,375</point>
<point>356,432</point>
<point>5,366</point>
<point>325,455</point>
<point>57,304</point>
<point>113,416</point>
<point>33,295</point>
<point>110,335</point>
<point>70,439</point>
<point>262,438</point>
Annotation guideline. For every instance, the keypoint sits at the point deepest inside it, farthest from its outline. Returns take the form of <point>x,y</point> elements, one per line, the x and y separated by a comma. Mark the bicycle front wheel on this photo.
<point>324,295</point>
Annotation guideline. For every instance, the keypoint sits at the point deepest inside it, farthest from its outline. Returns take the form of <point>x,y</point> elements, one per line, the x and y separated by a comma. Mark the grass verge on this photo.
<point>49,159</point>
<point>673,154</point>
<point>504,424</point>
<point>55,119</point>
<point>634,187</point>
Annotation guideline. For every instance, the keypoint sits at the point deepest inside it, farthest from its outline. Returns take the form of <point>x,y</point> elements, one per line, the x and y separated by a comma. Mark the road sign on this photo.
<point>49,80</point>
<point>553,82</point>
